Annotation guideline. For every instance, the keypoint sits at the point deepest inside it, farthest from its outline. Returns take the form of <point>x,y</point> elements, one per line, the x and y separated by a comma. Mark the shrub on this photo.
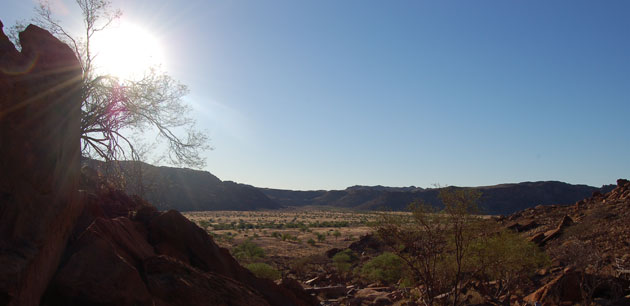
<point>386,268</point>
<point>311,241</point>
<point>248,251</point>
<point>263,270</point>
<point>343,260</point>
<point>321,237</point>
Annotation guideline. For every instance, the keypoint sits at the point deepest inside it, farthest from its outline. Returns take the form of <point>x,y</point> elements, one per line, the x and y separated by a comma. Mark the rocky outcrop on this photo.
<point>39,161</point>
<point>146,258</point>
<point>587,242</point>
<point>564,288</point>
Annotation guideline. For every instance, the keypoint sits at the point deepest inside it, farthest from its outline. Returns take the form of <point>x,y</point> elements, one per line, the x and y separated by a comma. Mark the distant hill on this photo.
<point>188,190</point>
<point>194,190</point>
<point>497,199</point>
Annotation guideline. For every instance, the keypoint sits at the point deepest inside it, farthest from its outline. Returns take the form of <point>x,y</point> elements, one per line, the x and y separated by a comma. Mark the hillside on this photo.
<point>194,190</point>
<point>188,190</point>
<point>598,224</point>
<point>497,199</point>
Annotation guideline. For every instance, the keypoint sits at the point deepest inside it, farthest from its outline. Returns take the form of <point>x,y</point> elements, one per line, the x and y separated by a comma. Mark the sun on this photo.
<point>126,51</point>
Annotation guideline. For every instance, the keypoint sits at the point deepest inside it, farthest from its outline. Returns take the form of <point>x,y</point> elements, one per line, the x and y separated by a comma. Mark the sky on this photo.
<point>329,94</point>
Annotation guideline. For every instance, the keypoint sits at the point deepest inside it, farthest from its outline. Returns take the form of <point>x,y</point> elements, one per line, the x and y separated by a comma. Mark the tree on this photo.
<point>113,108</point>
<point>446,249</point>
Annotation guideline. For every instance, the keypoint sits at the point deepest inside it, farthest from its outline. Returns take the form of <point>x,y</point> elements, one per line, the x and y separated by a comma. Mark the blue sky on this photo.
<point>329,94</point>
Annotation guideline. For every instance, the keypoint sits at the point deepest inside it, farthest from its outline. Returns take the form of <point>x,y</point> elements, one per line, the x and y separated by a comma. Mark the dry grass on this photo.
<point>285,234</point>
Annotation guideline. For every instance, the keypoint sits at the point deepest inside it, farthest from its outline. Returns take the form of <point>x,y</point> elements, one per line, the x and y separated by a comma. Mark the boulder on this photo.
<point>563,288</point>
<point>174,283</point>
<point>554,233</point>
<point>100,270</point>
<point>40,124</point>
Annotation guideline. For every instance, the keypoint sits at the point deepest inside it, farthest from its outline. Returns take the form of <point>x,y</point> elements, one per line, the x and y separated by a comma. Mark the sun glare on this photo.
<point>126,51</point>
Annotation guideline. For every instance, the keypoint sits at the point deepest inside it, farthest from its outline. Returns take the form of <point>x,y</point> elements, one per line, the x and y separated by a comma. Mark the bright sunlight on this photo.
<point>126,51</point>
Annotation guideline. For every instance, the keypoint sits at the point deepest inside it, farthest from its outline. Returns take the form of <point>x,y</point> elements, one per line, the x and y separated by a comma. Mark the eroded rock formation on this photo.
<point>40,120</point>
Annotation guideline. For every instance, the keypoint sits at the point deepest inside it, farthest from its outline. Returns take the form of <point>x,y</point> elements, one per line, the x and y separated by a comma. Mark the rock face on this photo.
<point>99,246</point>
<point>39,161</point>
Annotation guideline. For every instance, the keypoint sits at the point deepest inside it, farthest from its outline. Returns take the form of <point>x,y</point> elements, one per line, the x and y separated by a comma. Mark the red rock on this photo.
<point>172,234</point>
<point>564,288</point>
<point>101,270</point>
<point>40,121</point>
<point>175,283</point>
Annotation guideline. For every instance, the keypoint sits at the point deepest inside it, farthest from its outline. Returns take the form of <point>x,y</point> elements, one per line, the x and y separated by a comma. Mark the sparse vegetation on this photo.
<point>444,250</point>
<point>248,251</point>
<point>343,260</point>
<point>264,270</point>
<point>386,268</point>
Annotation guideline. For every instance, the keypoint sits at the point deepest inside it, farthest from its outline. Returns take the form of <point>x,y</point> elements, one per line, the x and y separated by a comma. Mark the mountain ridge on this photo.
<point>196,190</point>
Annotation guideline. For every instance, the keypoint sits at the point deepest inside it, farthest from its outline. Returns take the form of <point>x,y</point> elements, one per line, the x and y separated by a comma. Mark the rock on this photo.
<point>173,235</point>
<point>538,238</point>
<point>296,288</point>
<point>332,252</point>
<point>523,225</point>
<point>329,292</point>
<point>40,124</point>
<point>368,294</point>
<point>382,301</point>
<point>564,288</point>
<point>102,270</point>
<point>367,243</point>
<point>175,283</point>
<point>552,234</point>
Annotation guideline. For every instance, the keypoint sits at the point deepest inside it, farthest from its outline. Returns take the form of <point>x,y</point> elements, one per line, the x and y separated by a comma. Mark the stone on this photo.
<point>563,288</point>
<point>40,124</point>
<point>173,235</point>
<point>175,283</point>
<point>100,270</point>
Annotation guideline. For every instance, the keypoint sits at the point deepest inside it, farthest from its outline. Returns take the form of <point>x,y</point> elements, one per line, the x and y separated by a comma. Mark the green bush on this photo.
<point>343,260</point>
<point>263,270</point>
<point>311,241</point>
<point>248,251</point>
<point>386,268</point>
<point>507,256</point>
<point>321,237</point>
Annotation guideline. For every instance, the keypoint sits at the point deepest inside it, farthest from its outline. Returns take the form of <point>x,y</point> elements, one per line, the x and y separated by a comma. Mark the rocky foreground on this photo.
<point>68,240</point>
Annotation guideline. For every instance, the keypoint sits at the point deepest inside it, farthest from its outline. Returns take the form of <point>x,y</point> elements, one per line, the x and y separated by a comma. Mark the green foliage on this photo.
<point>343,260</point>
<point>287,236</point>
<point>337,234</point>
<point>311,241</point>
<point>204,224</point>
<point>435,244</point>
<point>321,237</point>
<point>506,256</point>
<point>248,251</point>
<point>386,268</point>
<point>263,270</point>
<point>445,250</point>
